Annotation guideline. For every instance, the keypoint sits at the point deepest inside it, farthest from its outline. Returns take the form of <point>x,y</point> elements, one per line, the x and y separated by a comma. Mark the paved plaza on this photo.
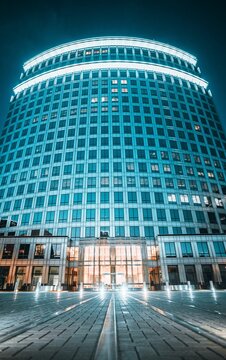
<point>113,325</point>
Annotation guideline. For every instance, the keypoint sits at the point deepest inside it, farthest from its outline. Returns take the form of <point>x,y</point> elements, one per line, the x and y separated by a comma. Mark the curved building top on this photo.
<point>108,53</point>
<point>110,41</point>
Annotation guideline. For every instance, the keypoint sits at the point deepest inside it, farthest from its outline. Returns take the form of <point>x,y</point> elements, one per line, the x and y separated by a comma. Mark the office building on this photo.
<point>112,169</point>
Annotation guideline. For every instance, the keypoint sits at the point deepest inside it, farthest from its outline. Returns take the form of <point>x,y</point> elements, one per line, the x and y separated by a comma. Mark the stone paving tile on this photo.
<point>62,334</point>
<point>142,334</point>
<point>154,336</point>
<point>200,309</point>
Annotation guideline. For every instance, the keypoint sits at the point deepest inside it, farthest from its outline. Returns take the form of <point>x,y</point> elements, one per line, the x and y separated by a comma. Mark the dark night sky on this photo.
<point>30,27</point>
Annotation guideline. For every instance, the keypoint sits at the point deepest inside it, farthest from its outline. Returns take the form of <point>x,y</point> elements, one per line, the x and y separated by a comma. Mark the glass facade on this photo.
<point>112,138</point>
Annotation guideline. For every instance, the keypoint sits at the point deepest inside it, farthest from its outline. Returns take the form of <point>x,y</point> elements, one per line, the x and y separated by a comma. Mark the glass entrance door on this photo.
<point>112,266</point>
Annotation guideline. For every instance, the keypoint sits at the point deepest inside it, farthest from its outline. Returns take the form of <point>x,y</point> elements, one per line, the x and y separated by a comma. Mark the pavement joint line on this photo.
<point>198,330</point>
<point>21,329</point>
<point>107,346</point>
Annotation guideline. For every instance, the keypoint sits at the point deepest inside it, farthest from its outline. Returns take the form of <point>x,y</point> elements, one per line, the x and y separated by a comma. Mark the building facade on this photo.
<point>112,166</point>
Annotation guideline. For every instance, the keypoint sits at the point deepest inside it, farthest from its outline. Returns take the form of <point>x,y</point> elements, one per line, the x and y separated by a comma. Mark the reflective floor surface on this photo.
<point>113,325</point>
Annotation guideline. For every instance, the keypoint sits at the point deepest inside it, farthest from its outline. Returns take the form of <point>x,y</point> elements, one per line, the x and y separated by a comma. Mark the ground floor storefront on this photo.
<point>56,263</point>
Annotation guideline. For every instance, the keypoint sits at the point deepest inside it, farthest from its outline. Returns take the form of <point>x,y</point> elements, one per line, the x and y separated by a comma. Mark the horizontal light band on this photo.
<point>110,65</point>
<point>151,45</point>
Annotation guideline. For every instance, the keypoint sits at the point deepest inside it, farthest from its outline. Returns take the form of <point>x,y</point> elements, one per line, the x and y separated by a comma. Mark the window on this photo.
<point>196,200</point>
<point>40,201</point>
<point>50,217</point>
<point>156,182</point>
<point>90,214</point>
<point>54,185</point>
<point>66,184</point>
<point>163,230</point>
<point>203,249</point>
<point>56,171</point>
<point>132,197</point>
<point>212,217</point>
<point>90,231</point>
<point>200,216</point>
<point>181,184</point>
<point>30,188</point>
<point>145,197</point>
<point>118,197</point>
<point>25,219</point>
<point>117,167</point>
<point>52,200</point>
<point>75,232</point>
<point>169,183</point>
<point>170,249</point>
<point>187,215</point>
<point>104,181</point>
<point>8,204</point>
<point>144,181</point>
<point>219,248</point>
<point>119,231</point>
<point>154,168</point>
<point>42,186</point>
<point>130,167</point>
<point>219,202</point>
<point>184,199</point>
<point>159,198</point>
<point>174,213</point>
<point>55,251</point>
<point>161,214</point>
<point>172,198</point>
<point>63,216</point>
<point>92,168</point>
<point>77,200</point>
<point>119,214</point>
<point>133,214</point>
<point>23,251</point>
<point>104,214</point>
<point>91,182</point>
<point>76,215</point>
<point>104,197</point>
<point>166,168</point>
<point>8,251</point>
<point>134,231</point>
<point>79,169</point>
<point>147,214</point>
<point>149,231</point>
<point>177,230</point>
<point>117,181</point>
<point>91,198</point>
<point>39,251</point>
<point>186,249</point>
<point>37,219</point>
<point>64,199</point>
<point>105,166</point>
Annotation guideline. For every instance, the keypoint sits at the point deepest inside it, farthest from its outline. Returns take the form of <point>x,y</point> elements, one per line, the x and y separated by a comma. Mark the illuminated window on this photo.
<point>184,199</point>
<point>55,251</point>
<point>171,198</point>
<point>39,251</point>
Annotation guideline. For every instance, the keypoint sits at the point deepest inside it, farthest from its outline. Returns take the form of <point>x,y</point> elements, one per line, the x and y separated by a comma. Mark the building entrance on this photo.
<point>112,265</point>
<point>114,279</point>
